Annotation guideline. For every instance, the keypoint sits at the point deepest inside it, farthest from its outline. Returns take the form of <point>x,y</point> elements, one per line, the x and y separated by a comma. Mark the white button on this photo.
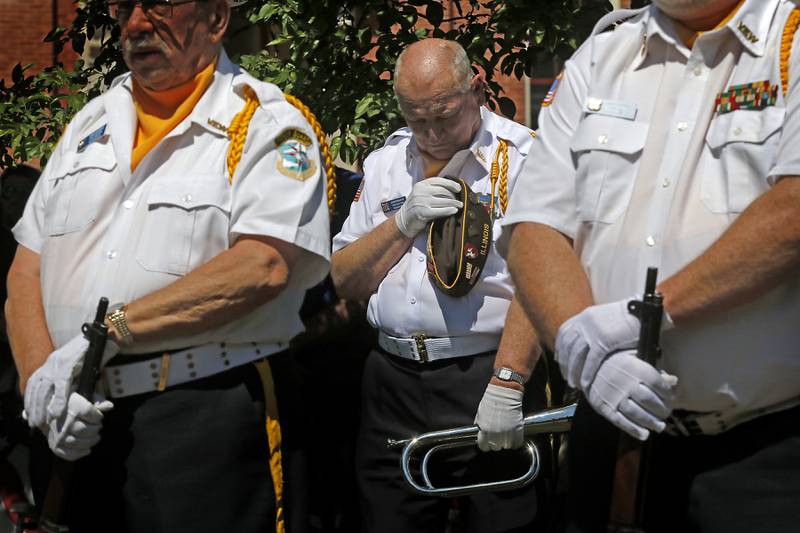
<point>666,183</point>
<point>603,139</point>
<point>737,131</point>
<point>651,241</point>
<point>682,126</point>
<point>412,300</point>
<point>594,104</point>
<point>111,254</point>
<point>188,198</point>
<point>698,71</point>
<point>420,259</point>
<point>127,204</point>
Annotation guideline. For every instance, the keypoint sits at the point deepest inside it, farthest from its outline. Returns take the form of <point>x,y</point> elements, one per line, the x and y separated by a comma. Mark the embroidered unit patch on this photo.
<point>294,162</point>
<point>754,96</point>
<point>486,201</point>
<point>551,93</point>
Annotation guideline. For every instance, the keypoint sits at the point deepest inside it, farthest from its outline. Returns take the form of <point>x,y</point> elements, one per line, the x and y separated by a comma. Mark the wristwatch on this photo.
<point>506,374</point>
<point>120,323</point>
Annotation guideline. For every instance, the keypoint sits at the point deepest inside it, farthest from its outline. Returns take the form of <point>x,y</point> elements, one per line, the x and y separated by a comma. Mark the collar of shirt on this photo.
<point>214,111</point>
<point>750,24</point>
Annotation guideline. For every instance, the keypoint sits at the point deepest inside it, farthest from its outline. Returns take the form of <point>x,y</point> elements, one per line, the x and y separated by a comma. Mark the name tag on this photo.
<point>96,135</point>
<point>393,205</point>
<point>611,108</point>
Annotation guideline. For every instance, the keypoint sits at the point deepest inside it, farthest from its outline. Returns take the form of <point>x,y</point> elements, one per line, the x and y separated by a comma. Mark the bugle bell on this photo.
<point>557,420</point>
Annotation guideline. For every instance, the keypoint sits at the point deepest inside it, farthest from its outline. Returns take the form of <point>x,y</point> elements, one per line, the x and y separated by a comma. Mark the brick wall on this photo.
<point>23,26</point>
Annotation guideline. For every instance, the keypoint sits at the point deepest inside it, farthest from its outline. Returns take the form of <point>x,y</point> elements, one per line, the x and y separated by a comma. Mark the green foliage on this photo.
<point>36,107</point>
<point>335,55</point>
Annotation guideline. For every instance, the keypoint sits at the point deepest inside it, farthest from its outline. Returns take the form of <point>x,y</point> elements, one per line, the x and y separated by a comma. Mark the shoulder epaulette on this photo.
<point>611,21</point>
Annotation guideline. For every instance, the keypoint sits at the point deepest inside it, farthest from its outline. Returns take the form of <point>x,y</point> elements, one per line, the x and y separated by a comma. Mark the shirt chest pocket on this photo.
<point>186,224</point>
<point>74,188</point>
<point>742,147</point>
<point>606,152</point>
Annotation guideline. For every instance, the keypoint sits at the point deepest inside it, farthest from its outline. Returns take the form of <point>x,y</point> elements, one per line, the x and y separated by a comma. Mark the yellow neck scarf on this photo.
<point>158,112</point>
<point>689,36</point>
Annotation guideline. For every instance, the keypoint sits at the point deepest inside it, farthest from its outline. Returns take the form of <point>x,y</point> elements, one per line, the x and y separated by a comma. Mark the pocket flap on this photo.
<point>745,125</point>
<point>74,163</point>
<point>203,191</point>
<point>609,134</point>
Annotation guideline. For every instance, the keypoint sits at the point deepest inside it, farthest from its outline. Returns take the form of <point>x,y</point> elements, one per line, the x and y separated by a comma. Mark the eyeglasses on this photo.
<point>121,10</point>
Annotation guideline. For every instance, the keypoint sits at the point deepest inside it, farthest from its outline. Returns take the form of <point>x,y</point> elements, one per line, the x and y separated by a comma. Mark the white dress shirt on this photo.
<point>634,162</point>
<point>101,230</point>
<point>406,302</point>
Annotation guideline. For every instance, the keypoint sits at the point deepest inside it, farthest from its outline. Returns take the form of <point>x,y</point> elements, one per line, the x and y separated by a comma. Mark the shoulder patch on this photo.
<point>293,160</point>
<point>292,133</point>
<point>551,93</point>
<point>357,196</point>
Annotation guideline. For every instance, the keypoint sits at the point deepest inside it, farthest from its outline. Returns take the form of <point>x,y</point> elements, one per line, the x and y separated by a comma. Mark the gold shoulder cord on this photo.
<point>786,48</point>
<point>500,171</point>
<point>237,132</point>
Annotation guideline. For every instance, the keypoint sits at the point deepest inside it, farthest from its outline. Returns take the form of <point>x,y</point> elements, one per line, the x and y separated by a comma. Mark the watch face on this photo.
<point>504,374</point>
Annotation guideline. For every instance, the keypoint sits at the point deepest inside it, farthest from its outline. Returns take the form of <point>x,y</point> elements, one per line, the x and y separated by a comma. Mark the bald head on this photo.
<point>432,65</point>
<point>439,96</point>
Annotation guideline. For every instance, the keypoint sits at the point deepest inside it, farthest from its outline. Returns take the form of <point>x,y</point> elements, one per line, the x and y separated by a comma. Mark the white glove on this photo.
<point>429,199</point>
<point>61,366</point>
<point>48,388</point>
<point>500,419</point>
<point>632,394</point>
<point>584,341</point>
<point>73,435</point>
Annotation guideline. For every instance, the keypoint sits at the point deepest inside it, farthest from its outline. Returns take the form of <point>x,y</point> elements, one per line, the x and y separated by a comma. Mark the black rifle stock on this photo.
<point>630,474</point>
<point>55,502</point>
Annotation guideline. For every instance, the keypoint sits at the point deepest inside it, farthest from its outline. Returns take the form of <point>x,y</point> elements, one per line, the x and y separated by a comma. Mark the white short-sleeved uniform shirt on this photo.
<point>101,230</point>
<point>406,302</point>
<point>643,161</point>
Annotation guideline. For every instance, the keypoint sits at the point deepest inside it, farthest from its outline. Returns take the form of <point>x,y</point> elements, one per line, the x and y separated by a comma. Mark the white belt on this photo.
<point>688,424</point>
<point>424,349</point>
<point>180,367</point>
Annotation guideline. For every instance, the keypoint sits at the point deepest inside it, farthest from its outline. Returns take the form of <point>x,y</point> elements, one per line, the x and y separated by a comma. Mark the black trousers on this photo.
<point>193,458</point>
<point>401,398</point>
<point>744,480</point>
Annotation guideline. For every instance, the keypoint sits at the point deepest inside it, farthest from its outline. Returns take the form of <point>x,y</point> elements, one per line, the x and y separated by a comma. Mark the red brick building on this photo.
<point>23,27</point>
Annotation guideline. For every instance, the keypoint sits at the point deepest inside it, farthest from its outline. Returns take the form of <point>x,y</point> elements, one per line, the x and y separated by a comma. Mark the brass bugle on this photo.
<point>557,420</point>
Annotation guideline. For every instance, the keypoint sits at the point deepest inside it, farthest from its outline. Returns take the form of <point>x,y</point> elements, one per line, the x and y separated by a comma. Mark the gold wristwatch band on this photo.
<point>120,323</point>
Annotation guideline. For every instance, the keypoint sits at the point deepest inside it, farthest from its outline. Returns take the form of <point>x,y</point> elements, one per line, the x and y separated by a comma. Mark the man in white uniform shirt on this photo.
<point>671,141</point>
<point>206,244</point>
<point>437,352</point>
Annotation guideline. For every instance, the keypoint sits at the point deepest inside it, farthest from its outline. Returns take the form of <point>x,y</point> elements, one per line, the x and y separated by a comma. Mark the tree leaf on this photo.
<point>434,13</point>
<point>507,106</point>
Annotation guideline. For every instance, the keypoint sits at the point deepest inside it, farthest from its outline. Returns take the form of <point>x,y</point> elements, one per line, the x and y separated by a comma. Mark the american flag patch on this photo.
<point>551,92</point>
<point>357,196</point>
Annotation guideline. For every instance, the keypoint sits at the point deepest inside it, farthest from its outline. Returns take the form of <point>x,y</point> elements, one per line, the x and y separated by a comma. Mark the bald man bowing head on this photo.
<point>449,347</point>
